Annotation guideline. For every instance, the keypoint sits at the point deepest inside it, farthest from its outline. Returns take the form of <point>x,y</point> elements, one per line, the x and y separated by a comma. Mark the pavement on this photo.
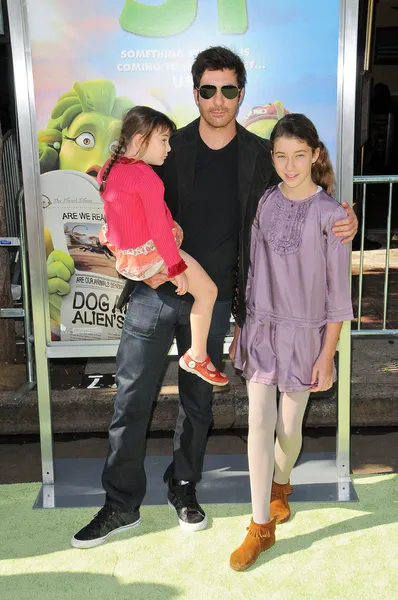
<point>373,287</point>
<point>373,450</point>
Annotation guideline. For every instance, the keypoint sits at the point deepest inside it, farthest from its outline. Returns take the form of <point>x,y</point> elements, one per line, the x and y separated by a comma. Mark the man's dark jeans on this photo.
<point>152,319</point>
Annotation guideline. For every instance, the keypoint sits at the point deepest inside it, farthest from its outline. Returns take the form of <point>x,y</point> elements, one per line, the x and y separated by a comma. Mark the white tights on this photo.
<point>268,459</point>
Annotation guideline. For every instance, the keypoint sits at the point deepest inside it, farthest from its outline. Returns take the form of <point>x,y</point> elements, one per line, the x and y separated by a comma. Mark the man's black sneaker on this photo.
<point>182,497</point>
<point>105,523</point>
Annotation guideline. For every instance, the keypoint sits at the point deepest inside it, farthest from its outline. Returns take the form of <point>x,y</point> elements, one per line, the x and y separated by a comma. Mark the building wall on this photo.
<point>386,16</point>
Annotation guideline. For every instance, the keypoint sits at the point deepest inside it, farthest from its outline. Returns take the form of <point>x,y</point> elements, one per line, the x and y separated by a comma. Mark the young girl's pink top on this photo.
<point>136,212</point>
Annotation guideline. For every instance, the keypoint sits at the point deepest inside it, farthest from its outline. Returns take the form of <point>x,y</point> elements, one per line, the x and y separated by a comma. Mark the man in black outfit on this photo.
<point>214,177</point>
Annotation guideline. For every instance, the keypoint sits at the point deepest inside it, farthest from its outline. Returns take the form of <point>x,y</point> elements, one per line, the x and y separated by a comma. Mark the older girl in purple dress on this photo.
<point>297,297</point>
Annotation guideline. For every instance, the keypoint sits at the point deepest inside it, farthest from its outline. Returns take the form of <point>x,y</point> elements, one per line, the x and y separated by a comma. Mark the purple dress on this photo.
<point>297,282</point>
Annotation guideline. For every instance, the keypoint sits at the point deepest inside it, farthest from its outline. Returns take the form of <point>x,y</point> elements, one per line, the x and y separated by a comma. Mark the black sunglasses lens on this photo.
<point>230,91</point>
<point>207,91</point>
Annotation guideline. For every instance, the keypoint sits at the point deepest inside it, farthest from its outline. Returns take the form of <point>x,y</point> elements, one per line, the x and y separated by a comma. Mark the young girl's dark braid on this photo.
<point>114,157</point>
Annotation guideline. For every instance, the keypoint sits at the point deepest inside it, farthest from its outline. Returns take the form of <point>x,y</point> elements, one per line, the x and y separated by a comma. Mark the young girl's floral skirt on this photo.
<point>142,262</point>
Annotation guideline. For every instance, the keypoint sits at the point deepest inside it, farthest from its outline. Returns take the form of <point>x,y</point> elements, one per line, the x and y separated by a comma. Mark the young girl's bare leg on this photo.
<point>288,443</point>
<point>204,291</point>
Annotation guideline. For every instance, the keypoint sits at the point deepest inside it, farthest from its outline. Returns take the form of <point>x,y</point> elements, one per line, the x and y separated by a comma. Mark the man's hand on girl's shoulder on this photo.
<point>348,227</point>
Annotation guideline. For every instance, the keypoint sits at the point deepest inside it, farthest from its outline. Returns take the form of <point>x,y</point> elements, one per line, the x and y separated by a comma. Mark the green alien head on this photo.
<point>262,119</point>
<point>83,129</point>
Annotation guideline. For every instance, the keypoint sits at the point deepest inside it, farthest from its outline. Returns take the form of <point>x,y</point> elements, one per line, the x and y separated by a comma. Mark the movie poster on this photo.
<point>82,282</point>
<point>93,60</point>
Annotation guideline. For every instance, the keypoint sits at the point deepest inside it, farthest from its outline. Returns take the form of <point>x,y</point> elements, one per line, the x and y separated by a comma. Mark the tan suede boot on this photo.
<point>259,539</point>
<point>279,509</point>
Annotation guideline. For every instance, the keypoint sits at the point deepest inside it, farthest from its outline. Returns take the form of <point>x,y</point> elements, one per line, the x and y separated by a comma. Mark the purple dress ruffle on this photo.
<point>297,282</point>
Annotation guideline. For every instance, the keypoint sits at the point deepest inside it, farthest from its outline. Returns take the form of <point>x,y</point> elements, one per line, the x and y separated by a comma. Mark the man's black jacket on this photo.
<point>255,174</point>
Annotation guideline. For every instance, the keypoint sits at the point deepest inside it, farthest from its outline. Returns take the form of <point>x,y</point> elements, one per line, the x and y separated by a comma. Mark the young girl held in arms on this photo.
<point>297,297</point>
<point>141,233</point>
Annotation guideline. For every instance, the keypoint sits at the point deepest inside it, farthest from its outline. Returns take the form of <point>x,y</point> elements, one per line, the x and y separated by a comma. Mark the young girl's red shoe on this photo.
<point>202,370</point>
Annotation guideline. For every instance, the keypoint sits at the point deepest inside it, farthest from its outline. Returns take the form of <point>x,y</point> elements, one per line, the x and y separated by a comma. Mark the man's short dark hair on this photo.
<point>217,58</point>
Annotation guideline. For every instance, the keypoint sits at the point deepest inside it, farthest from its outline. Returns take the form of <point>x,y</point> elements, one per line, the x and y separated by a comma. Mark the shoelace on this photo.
<point>102,515</point>
<point>190,495</point>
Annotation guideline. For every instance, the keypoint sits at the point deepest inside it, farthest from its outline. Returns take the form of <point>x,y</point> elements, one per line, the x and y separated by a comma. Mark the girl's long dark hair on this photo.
<point>300,127</point>
<point>144,121</point>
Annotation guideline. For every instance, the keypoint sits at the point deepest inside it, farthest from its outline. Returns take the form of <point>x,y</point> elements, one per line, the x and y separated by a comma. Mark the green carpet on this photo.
<point>326,551</point>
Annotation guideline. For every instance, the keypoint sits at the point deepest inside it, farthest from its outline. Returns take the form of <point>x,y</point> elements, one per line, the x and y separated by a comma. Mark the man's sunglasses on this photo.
<point>228,91</point>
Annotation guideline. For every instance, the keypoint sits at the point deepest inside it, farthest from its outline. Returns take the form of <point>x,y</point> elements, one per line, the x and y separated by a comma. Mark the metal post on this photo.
<point>369,32</point>
<point>387,269</point>
<point>361,258</point>
<point>24,92</point>
<point>25,294</point>
<point>346,77</point>
<point>366,61</point>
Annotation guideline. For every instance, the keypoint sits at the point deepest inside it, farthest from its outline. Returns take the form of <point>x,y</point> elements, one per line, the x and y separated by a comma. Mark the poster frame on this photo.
<point>44,348</point>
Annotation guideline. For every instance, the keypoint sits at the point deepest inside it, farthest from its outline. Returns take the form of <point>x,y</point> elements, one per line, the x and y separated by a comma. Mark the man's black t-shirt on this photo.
<point>237,183</point>
<point>210,220</point>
